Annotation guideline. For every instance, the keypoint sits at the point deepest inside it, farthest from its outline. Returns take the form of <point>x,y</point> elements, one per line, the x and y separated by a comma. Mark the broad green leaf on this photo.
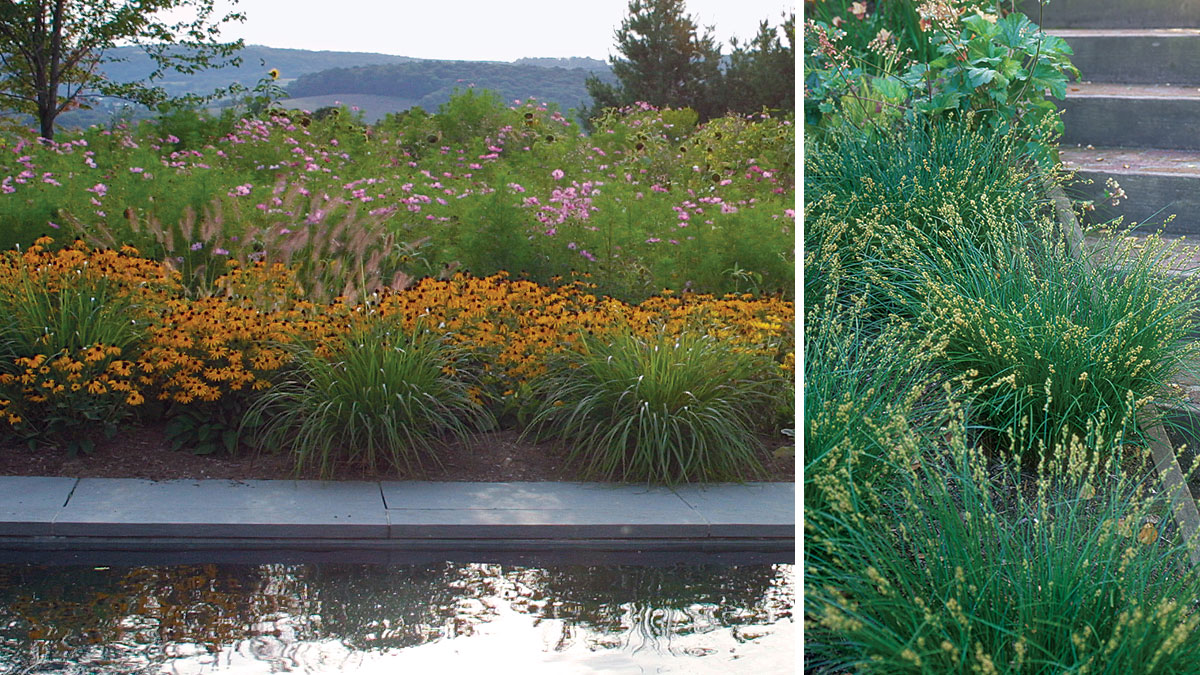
<point>980,76</point>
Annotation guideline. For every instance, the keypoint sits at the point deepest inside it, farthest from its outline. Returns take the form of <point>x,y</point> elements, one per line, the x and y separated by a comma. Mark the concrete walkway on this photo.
<point>100,514</point>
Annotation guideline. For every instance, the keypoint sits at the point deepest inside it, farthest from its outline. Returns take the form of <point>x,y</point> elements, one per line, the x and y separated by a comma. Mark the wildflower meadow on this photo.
<point>353,294</point>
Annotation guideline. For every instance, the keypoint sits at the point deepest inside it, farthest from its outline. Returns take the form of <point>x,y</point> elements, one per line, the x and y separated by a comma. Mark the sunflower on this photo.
<point>273,73</point>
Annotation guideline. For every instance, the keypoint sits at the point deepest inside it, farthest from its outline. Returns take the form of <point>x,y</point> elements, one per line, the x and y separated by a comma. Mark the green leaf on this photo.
<point>979,76</point>
<point>230,437</point>
<point>890,88</point>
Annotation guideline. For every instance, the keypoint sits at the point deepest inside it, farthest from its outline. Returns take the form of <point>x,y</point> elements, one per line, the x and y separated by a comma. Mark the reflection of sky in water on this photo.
<point>315,619</point>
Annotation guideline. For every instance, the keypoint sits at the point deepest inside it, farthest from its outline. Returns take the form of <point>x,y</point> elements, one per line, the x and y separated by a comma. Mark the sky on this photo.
<point>474,30</point>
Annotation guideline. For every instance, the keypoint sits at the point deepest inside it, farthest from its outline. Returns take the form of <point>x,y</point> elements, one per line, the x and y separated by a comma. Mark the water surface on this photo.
<point>355,618</point>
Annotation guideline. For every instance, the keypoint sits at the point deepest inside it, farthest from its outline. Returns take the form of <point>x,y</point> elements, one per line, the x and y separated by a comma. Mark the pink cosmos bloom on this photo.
<point>557,174</point>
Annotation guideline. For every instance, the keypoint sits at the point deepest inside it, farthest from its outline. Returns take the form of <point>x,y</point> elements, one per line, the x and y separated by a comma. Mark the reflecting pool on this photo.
<point>435,618</point>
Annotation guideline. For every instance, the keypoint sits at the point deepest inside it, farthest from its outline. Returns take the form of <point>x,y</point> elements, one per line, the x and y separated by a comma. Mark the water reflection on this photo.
<point>357,618</point>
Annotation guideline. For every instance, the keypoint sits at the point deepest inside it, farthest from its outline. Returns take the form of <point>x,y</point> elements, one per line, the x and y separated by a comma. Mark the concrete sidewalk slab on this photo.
<point>587,510</point>
<point>117,507</point>
<point>752,510</point>
<point>29,504</point>
<point>529,510</point>
<point>65,514</point>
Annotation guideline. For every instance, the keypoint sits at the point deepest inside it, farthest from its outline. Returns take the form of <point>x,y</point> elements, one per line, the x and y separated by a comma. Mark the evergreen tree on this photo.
<point>762,73</point>
<point>666,63</point>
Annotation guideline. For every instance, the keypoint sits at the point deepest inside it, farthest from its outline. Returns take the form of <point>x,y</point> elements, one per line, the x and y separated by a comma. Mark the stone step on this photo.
<point>1113,13</point>
<point>1157,183</point>
<point>1132,115</point>
<point>1169,56</point>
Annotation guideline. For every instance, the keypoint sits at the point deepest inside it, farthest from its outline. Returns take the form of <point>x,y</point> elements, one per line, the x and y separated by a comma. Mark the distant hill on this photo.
<point>591,65</point>
<point>256,61</point>
<point>430,83</point>
<point>377,83</point>
<point>373,108</point>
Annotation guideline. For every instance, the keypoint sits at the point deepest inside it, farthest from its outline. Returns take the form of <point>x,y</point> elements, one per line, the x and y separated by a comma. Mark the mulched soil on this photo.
<point>491,457</point>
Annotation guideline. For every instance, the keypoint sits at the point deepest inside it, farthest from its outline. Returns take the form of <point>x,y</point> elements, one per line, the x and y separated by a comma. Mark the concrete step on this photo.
<point>1132,115</point>
<point>1157,183</point>
<point>1113,13</point>
<point>1169,56</point>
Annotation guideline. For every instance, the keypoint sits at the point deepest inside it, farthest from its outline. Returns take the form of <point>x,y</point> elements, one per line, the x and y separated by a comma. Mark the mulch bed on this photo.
<point>496,456</point>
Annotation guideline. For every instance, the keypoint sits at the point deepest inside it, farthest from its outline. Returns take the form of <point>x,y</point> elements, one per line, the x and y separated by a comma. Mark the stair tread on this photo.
<point>1123,32</point>
<point>1131,91</point>
<point>1133,160</point>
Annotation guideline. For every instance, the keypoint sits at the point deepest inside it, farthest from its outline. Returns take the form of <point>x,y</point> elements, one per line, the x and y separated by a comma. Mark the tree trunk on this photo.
<point>46,121</point>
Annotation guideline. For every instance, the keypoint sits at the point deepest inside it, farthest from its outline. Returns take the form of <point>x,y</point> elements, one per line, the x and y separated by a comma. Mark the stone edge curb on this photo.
<point>36,514</point>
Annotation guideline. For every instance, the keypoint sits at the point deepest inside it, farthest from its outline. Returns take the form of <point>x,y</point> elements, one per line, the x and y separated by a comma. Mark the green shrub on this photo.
<point>381,396</point>
<point>668,409</point>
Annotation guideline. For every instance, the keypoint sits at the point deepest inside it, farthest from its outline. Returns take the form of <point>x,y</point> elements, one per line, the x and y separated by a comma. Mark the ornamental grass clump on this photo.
<point>866,383</point>
<point>663,409</point>
<point>972,565</point>
<point>1044,338</point>
<point>375,396</point>
<point>876,205</point>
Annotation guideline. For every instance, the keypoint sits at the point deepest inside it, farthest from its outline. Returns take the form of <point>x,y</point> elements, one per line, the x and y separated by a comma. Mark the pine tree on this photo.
<point>762,73</point>
<point>666,63</point>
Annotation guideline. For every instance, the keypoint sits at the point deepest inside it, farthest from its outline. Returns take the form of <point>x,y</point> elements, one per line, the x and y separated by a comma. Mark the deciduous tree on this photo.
<point>51,51</point>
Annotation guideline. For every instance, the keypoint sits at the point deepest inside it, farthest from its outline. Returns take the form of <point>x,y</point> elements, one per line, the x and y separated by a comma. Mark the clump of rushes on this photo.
<point>1049,339</point>
<point>665,408</point>
<point>376,395</point>
<point>975,566</point>
<point>866,382</point>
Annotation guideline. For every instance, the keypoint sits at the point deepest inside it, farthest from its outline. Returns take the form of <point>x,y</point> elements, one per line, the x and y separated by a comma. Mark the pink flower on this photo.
<point>136,169</point>
<point>556,174</point>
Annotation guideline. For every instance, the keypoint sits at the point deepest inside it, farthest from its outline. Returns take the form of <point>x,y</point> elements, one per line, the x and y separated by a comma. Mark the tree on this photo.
<point>51,50</point>
<point>763,72</point>
<point>667,63</point>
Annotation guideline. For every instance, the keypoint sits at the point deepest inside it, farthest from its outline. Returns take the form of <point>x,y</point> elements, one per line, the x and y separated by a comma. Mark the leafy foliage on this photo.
<point>1002,66</point>
<point>53,48</point>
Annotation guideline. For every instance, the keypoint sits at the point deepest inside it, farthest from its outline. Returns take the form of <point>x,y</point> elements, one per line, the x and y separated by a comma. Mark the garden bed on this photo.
<point>496,456</point>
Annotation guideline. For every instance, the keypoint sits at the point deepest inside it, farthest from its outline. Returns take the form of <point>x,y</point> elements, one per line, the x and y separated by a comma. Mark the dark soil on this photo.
<point>490,457</point>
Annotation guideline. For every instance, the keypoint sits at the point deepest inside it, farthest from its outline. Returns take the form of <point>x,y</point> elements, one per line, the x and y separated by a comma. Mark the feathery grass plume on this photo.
<point>380,396</point>
<point>664,408</point>
<point>332,247</point>
<point>975,565</point>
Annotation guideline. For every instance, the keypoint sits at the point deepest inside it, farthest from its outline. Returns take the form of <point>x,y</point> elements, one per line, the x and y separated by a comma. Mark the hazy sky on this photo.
<point>487,30</point>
